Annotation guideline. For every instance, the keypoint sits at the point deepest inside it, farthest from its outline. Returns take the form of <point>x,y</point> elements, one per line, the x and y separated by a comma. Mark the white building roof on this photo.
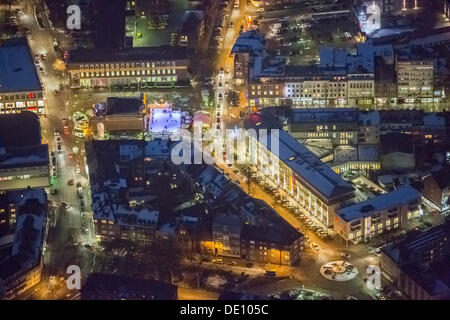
<point>403,195</point>
<point>303,162</point>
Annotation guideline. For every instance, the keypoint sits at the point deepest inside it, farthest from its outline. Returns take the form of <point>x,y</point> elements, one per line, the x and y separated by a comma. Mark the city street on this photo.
<point>65,226</point>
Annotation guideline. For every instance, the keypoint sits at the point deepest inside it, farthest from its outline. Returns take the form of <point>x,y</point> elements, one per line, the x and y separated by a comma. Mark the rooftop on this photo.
<point>403,195</point>
<point>303,162</point>
<point>314,71</point>
<point>325,115</point>
<point>29,133</point>
<point>435,280</point>
<point>363,152</point>
<point>396,142</point>
<point>281,233</point>
<point>17,70</point>
<point>116,105</point>
<point>128,54</point>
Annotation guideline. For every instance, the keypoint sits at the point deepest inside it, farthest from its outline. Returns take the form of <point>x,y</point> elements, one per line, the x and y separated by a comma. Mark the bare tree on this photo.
<point>196,259</point>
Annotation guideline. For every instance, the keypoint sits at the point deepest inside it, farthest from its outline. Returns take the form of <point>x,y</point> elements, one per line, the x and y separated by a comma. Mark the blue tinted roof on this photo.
<point>17,70</point>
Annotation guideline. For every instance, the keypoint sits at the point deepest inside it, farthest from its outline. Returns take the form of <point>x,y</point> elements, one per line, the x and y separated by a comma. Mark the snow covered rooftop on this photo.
<point>303,162</point>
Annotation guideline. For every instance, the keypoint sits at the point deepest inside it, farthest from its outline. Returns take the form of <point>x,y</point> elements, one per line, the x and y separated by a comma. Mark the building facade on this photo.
<point>143,66</point>
<point>363,221</point>
<point>20,86</point>
<point>308,183</point>
<point>415,81</point>
<point>418,264</point>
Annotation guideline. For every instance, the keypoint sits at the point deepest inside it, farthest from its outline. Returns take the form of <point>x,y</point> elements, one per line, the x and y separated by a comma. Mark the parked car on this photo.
<point>270,273</point>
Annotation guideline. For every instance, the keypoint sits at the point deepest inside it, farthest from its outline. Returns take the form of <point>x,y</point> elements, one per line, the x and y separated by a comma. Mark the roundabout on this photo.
<point>339,271</point>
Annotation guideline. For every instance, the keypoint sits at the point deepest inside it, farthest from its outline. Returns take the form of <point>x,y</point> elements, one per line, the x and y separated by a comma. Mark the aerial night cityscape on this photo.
<point>245,150</point>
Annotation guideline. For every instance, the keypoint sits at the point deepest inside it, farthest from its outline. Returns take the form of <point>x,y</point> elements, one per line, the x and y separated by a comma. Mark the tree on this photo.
<point>59,65</point>
<point>165,253</point>
<point>196,259</point>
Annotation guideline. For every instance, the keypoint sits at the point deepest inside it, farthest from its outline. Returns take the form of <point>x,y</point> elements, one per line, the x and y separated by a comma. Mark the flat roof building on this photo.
<point>144,65</point>
<point>363,221</point>
<point>419,264</point>
<point>21,148</point>
<point>312,185</point>
<point>20,87</point>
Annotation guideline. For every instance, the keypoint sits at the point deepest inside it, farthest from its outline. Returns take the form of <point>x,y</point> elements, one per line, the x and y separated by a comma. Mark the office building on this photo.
<point>418,265</point>
<point>24,160</point>
<point>20,86</point>
<point>363,221</point>
<point>309,183</point>
<point>146,65</point>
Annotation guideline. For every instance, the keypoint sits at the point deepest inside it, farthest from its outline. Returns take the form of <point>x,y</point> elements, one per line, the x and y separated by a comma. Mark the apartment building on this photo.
<point>330,126</point>
<point>118,166</point>
<point>308,183</point>
<point>244,227</point>
<point>363,221</point>
<point>20,86</point>
<point>23,268</point>
<point>361,89</point>
<point>24,161</point>
<point>418,265</point>
<point>385,84</point>
<point>369,127</point>
<point>266,92</point>
<point>145,65</point>
<point>415,80</point>
<point>274,243</point>
<point>226,231</point>
<point>436,189</point>
<point>313,87</point>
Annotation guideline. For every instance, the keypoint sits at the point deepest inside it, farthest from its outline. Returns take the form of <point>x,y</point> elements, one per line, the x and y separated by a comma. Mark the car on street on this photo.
<point>270,273</point>
<point>44,57</point>
<point>71,182</point>
<point>346,255</point>
<point>59,148</point>
<point>77,168</point>
<point>218,261</point>
<point>55,92</point>
<point>66,205</point>
<point>248,264</point>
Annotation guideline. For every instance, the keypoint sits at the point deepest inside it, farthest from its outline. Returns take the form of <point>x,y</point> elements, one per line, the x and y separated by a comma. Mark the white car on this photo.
<point>77,168</point>
<point>260,10</point>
